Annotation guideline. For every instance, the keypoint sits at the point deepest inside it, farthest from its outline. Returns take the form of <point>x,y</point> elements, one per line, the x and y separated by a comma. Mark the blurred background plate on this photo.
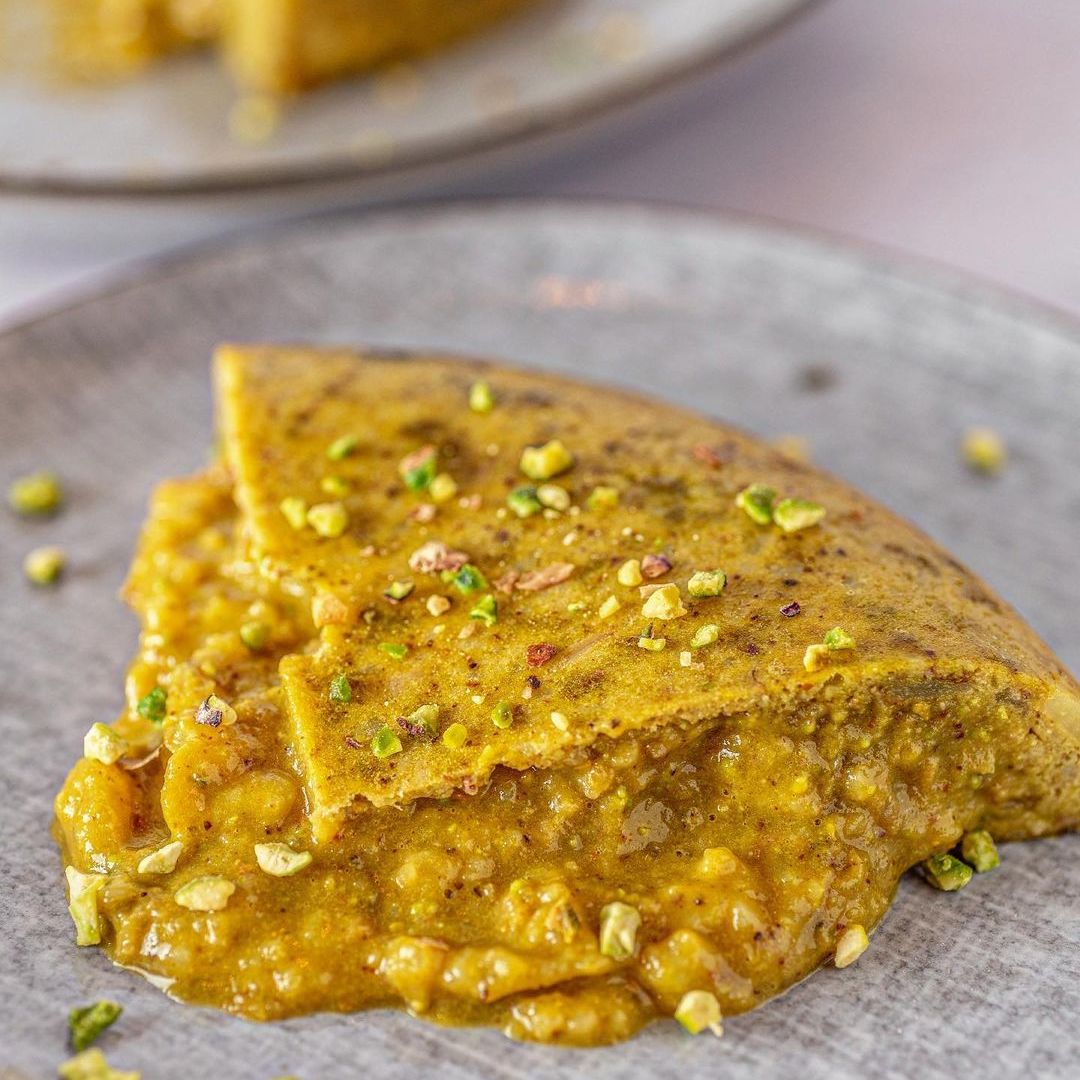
<point>168,129</point>
<point>880,364</point>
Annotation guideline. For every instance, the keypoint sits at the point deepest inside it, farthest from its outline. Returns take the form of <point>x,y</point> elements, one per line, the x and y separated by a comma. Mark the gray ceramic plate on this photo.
<point>880,364</point>
<point>168,130</point>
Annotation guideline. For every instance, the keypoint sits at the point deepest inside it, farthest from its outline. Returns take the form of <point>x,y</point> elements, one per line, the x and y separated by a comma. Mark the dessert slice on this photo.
<point>280,46</point>
<point>533,704</point>
<point>110,38</point>
<point>608,582</point>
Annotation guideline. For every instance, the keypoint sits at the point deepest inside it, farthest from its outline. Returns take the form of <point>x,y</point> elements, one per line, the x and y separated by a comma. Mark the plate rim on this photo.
<point>529,130</point>
<point>175,260</point>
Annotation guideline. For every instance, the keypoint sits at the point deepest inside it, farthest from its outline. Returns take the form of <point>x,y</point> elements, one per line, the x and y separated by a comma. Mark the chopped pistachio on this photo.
<point>83,892</point>
<point>35,495</point>
<point>162,861</point>
<point>279,860</point>
<point>437,605</point>
<point>664,603</point>
<point>524,502</point>
<point>652,644</point>
<point>342,448</point>
<point>978,849</point>
<point>757,501</point>
<point>295,511</point>
<point>609,607</point>
<point>455,735</point>
<point>575,607</point>
<point>467,580</point>
<point>630,573</point>
<point>92,1065</point>
<point>329,519</point>
<point>559,721</point>
<point>255,635</point>
<point>603,498</point>
<point>838,640</point>
<point>699,1010</point>
<point>485,610</point>
<point>102,743</point>
<point>705,635</point>
<point>984,450</point>
<point>442,488</point>
<point>795,514</point>
<point>394,649</point>
<point>422,721</point>
<point>418,469</point>
<point>87,1023</point>
<point>385,743</point>
<point>44,565</point>
<point>946,872</point>
<point>851,944</point>
<point>544,462</point>
<point>215,712</point>
<point>398,590</point>
<point>152,706</point>
<point>481,399</point>
<point>209,893</point>
<point>502,716</point>
<point>619,925</point>
<point>341,689</point>
<point>554,497</point>
<point>337,486</point>
<point>706,583</point>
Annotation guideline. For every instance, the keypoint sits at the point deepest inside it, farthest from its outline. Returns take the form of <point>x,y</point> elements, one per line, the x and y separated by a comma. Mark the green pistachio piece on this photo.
<point>385,743</point>
<point>398,590</point>
<point>946,872</point>
<point>757,502</point>
<point>481,399</point>
<point>795,514</point>
<point>88,1022</point>
<point>340,689</point>
<point>485,610</point>
<point>279,860</point>
<point>544,462</point>
<point>36,495</point>
<point>255,635</point>
<point>295,511</point>
<point>705,583</point>
<point>524,502</point>
<point>619,925</point>
<point>342,448</point>
<point>698,1011</point>
<point>838,639</point>
<point>91,1065</point>
<point>209,893</point>
<point>152,706</point>
<point>329,520</point>
<point>978,849</point>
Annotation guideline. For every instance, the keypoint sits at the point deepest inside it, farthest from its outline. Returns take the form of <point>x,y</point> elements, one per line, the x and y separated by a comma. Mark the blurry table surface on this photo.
<point>949,130</point>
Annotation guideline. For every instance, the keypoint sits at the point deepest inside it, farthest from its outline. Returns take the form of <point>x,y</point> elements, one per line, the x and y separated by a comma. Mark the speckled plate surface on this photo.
<point>881,365</point>
<point>542,73</point>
